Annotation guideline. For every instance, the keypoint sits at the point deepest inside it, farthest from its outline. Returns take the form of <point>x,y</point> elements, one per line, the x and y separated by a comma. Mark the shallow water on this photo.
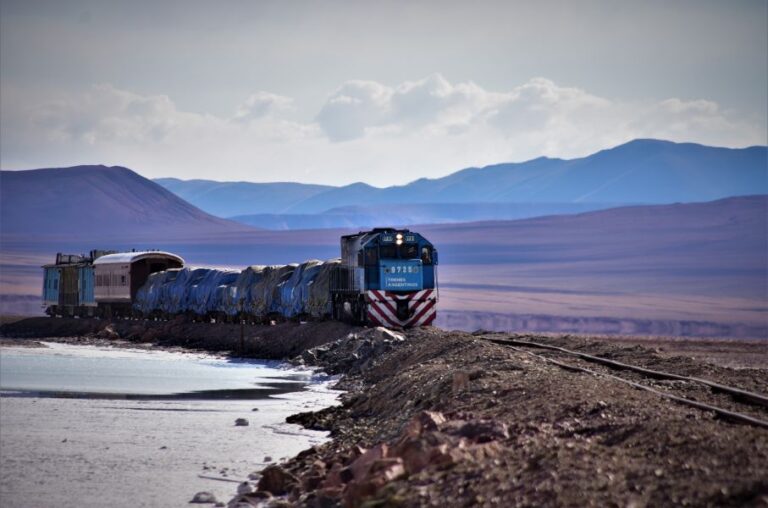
<point>87,426</point>
<point>91,372</point>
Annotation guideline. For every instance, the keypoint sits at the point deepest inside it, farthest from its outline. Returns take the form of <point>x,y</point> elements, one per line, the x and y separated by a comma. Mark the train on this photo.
<point>383,277</point>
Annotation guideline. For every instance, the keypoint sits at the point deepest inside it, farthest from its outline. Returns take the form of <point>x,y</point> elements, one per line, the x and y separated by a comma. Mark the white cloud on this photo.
<point>365,130</point>
<point>105,113</point>
<point>261,104</point>
<point>353,107</point>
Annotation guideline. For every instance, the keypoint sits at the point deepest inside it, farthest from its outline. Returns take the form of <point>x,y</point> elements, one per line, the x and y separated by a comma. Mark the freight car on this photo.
<point>385,277</point>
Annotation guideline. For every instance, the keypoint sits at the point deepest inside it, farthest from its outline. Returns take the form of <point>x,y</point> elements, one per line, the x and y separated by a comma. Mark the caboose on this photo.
<point>387,277</point>
<point>68,284</point>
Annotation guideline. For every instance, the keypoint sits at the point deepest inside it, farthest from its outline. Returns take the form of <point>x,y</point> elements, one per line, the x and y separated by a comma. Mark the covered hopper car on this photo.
<point>384,277</point>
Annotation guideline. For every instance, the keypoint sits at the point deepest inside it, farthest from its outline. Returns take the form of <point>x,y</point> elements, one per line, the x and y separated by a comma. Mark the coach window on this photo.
<point>122,280</point>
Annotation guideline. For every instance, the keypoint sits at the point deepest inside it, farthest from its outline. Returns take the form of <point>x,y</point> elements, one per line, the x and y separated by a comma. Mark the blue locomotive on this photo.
<point>387,277</point>
<point>384,277</point>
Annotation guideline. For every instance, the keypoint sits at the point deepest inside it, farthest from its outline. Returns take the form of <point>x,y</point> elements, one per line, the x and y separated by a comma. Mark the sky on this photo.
<point>381,92</point>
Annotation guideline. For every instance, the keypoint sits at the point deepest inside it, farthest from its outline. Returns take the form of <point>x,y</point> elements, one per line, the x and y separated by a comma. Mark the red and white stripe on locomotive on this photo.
<point>404,310</point>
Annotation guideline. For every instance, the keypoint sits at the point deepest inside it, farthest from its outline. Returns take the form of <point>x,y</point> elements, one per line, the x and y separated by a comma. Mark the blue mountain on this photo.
<point>644,171</point>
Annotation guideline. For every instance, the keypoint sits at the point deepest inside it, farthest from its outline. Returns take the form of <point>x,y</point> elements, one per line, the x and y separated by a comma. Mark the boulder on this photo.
<point>424,421</point>
<point>276,480</point>
<point>361,466</point>
<point>381,472</point>
<point>204,498</point>
<point>416,454</point>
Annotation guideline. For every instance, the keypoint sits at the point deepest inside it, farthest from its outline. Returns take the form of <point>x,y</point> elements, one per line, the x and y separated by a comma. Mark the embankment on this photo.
<point>279,342</point>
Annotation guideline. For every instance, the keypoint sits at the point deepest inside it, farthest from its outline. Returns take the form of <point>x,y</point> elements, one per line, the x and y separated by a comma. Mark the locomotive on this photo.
<point>384,277</point>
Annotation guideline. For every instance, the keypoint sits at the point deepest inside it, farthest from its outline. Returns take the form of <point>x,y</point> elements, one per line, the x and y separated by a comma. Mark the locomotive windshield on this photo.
<point>405,251</point>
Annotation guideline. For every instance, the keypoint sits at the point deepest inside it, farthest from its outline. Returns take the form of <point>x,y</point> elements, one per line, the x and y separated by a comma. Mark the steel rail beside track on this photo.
<point>722,412</point>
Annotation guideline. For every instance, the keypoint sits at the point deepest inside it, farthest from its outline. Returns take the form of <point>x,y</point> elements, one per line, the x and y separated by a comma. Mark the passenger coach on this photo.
<point>118,277</point>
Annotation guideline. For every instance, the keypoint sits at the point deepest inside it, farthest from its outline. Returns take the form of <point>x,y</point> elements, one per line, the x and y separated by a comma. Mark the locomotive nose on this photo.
<point>403,312</point>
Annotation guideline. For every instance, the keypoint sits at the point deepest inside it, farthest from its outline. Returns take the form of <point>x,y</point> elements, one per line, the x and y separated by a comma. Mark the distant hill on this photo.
<point>357,216</point>
<point>643,171</point>
<point>227,199</point>
<point>96,202</point>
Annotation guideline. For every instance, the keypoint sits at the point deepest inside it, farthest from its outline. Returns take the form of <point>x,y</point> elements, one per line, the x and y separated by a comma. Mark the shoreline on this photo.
<point>439,417</point>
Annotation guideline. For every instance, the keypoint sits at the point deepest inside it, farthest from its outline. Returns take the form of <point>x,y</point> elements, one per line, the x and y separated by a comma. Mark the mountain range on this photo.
<point>643,171</point>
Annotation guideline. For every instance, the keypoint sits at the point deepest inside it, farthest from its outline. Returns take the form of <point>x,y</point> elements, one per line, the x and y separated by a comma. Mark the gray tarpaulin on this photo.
<point>289,290</point>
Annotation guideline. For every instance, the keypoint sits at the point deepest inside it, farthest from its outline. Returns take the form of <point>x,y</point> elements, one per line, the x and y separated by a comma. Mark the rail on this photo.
<point>737,393</point>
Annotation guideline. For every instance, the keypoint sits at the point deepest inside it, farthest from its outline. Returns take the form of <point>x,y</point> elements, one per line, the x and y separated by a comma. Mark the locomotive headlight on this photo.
<point>399,239</point>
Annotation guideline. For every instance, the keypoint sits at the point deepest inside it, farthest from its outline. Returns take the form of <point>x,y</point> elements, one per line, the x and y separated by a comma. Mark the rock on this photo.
<point>483,431</point>
<point>108,333</point>
<point>258,495</point>
<point>331,494</point>
<point>363,463</point>
<point>381,472</point>
<point>444,456</point>
<point>204,498</point>
<point>309,356</point>
<point>424,421</point>
<point>244,488</point>
<point>346,475</point>
<point>416,454</point>
<point>276,480</point>
<point>485,451</point>
<point>267,459</point>
<point>311,482</point>
<point>255,409</point>
<point>241,422</point>
<point>357,492</point>
<point>306,453</point>
<point>386,470</point>
<point>460,382</point>
<point>333,478</point>
<point>384,334</point>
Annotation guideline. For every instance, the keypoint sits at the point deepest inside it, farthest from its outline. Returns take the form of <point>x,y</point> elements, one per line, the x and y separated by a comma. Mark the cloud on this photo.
<point>353,107</point>
<point>107,113</point>
<point>262,104</point>
<point>364,130</point>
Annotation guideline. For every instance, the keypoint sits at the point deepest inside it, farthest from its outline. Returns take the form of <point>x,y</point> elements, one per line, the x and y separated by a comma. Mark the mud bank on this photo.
<point>279,342</point>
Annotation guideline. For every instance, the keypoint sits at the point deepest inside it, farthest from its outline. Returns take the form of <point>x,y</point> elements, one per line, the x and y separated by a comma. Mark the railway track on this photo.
<point>737,394</point>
